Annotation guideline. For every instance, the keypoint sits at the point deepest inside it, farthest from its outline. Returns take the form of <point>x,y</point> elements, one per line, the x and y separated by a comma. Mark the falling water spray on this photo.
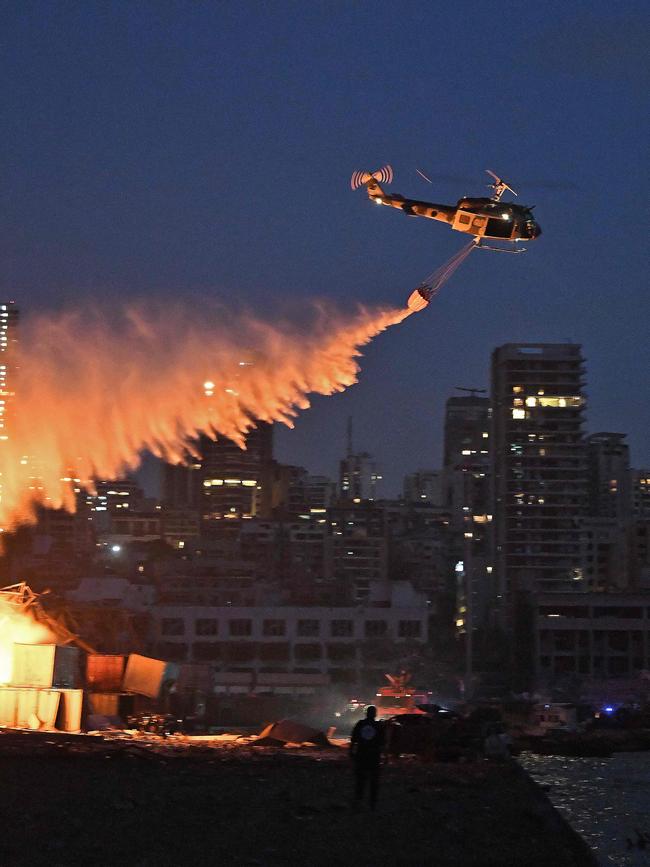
<point>94,388</point>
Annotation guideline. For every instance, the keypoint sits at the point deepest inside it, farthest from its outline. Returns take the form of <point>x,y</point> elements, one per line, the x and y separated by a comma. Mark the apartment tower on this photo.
<point>539,469</point>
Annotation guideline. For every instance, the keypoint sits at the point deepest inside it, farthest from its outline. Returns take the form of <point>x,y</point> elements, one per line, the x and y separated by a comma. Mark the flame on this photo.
<point>17,627</point>
<point>94,388</point>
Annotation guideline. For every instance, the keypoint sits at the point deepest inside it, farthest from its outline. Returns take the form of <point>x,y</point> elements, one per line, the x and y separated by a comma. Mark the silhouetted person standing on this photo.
<point>366,747</point>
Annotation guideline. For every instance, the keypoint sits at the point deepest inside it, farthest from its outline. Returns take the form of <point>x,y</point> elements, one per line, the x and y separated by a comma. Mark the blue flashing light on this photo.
<point>608,709</point>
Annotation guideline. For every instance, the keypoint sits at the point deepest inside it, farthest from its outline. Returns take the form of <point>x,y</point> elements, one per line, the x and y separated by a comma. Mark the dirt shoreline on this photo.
<point>74,801</point>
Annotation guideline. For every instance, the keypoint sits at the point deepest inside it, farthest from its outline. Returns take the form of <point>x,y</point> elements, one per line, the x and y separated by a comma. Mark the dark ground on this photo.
<point>65,803</point>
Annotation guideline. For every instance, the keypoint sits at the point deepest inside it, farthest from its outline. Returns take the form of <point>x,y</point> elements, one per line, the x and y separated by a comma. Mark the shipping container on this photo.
<point>111,704</point>
<point>146,676</point>
<point>45,666</point>
<point>104,672</point>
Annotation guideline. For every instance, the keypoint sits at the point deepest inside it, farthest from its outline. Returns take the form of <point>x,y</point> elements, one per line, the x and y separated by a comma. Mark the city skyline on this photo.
<point>290,445</point>
<point>151,475</point>
<point>526,506</point>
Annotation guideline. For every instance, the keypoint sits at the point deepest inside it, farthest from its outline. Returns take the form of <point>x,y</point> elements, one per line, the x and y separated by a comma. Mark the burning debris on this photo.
<point>54,681</point>
<point>18,625</point>
<point>288,731</point>
<point>41,669</point>
<point>38,665</point>
<point>24,621</point>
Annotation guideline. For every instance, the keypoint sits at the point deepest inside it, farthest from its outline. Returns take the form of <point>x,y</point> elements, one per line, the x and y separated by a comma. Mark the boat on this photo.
<point>401,697</point>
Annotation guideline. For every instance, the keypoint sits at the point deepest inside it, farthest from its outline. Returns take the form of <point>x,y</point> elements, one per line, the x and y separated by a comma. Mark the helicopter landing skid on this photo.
<point>500,249</point>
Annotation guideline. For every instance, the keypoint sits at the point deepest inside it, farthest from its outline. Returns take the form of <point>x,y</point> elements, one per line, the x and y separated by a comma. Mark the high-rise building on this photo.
<point>319,491</point>
<point>295,491</point>
<point>639,552</point>
<point>358,477</point>
<point>424,486</point>
<point>181,484</point>
<point>233,481</point>
<point>467,447</point>
<point>417,534</point>
<point>358,473</point>
<point>639,529</point>
<point>286,493</point>
<point>606,560</point>
<point>115,496</point>
<point>467,479</point>
<point>466,428</point>
<point>8,344</point>
<point>539,472</point>
<point>641,493</point>
<point>357,546</point>
<point>608,475</point>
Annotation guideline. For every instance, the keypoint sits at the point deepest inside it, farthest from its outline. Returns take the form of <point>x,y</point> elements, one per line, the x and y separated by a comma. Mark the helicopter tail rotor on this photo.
<point>499,186</point>
<point>383,175</point>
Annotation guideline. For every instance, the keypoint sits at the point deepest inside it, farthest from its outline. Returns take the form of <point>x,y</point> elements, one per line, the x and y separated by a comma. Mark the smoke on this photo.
<point>94,388</point>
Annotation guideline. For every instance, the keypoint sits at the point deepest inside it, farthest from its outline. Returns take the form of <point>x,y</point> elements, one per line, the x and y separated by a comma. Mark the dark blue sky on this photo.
<point>205,149</point>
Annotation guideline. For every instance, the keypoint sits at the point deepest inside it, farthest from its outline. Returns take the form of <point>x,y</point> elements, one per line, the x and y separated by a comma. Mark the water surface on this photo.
<point>605,800</point>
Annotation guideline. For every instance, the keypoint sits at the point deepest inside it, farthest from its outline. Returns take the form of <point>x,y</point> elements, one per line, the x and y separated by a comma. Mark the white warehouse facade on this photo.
<point>348,644</point>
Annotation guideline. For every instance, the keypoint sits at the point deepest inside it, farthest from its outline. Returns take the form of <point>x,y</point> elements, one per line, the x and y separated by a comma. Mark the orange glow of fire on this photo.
<point>93,389</point>
<point>17,627</point>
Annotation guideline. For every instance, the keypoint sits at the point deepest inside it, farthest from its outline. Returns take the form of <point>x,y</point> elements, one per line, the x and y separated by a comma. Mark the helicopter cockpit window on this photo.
<point>497,227</point>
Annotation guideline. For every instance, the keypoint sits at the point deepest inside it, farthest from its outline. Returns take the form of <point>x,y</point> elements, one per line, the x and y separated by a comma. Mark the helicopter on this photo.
<point>482,217</point>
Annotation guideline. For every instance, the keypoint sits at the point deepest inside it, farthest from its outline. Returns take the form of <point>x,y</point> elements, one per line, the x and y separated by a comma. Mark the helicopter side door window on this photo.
<point>466,221</point>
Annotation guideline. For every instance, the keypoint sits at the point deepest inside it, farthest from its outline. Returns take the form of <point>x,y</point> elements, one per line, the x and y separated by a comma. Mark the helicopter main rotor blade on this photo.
<point>499,185</point>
